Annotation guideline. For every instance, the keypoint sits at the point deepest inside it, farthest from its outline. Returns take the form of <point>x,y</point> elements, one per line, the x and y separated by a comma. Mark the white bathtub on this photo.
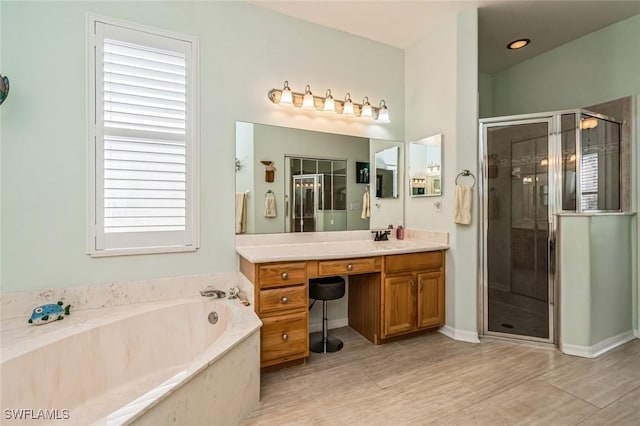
<point>149,363</point>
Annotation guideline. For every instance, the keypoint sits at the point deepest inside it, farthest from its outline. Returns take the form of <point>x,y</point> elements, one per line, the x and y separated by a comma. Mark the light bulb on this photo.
<point>348,106</point>
<point>307,101</point>
<point>383,113</point>
<point>366,111</point>
<point>329,103</point>
<point>286,98</point>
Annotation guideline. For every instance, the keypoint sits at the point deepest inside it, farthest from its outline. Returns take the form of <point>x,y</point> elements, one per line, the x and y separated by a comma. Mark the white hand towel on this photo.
<point>366,208</point>
<point>241,212</point>
<point>270,205</point>
<point>462,205</point>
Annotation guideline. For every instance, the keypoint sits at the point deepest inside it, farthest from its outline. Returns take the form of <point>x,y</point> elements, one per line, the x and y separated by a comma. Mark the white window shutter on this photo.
<point>145,142</point>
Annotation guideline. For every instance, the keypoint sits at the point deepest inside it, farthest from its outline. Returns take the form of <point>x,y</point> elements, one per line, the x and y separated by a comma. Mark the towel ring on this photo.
<point>466,173</point>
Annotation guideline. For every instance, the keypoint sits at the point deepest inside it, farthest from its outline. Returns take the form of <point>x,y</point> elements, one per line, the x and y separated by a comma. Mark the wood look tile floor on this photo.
<point>431,379</point>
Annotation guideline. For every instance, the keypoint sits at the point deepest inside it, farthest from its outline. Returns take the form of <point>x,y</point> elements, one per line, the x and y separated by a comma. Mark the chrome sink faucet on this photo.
<point>381,235</point>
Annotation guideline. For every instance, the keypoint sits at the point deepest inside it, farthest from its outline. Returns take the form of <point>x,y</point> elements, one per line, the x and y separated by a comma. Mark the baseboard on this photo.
<point>460,335</point>
<point>336,323</point>
<point>599,348</point>
<point>636,333</point>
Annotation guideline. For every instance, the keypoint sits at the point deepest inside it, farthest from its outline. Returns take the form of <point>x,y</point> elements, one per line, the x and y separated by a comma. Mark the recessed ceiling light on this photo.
<point>518,44</point>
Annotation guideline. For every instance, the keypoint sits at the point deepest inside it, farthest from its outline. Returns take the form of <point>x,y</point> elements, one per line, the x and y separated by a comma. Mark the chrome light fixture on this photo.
<point>383,113</point>
<point>366,110</point>
<point>286,97</point>
<point>329,103</point>
<point>347,108</point>
<point>308,101</point>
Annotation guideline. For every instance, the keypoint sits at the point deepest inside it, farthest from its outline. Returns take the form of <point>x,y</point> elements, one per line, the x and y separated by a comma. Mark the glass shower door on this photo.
<point>518,206</point>
<point>305,203</point>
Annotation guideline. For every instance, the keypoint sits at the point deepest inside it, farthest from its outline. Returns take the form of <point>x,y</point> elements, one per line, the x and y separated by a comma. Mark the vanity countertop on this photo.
<point>262,253</point>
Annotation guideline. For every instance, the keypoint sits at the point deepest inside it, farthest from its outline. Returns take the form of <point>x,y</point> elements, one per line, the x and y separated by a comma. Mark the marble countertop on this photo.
<point>335,249</point>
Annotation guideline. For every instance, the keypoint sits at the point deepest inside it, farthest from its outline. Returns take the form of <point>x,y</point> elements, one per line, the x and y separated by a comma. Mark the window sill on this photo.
<point>141,251</point>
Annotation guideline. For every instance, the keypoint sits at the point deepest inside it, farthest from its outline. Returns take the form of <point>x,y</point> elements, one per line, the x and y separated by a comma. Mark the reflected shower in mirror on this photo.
<point>387,172</point>
<point>425,167</point>
<point>314,187</point>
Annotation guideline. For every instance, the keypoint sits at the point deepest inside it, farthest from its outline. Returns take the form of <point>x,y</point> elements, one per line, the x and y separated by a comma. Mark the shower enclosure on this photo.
<point>534,167</point>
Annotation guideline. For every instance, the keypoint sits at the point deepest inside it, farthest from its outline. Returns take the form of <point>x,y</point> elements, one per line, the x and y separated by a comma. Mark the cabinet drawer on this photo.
<point>281,274</point>
<point>284,337</point>
<point>282,299</point>
<point>413,262</point>
<point>347,266</point>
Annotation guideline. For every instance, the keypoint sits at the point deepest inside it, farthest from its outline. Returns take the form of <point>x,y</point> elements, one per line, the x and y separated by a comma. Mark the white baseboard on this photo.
<point>336,323</point>
<point>599,348</point>
<point>461,335</point>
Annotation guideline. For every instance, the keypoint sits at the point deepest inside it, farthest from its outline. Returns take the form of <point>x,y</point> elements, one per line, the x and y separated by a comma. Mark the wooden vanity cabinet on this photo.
<point>413,293</point>
<point>388,296</point>
<point>281,298</point>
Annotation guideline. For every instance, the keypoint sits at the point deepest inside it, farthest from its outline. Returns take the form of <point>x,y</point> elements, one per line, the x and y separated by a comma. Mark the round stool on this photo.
<point>326,288</point>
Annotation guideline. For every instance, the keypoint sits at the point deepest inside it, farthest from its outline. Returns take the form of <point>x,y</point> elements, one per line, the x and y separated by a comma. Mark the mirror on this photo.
<point>387,173</point>
<point>316,186</point>
<point>425,167</point>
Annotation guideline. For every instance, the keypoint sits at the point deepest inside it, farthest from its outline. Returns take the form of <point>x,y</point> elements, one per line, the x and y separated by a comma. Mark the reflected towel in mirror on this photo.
<point>366,208</point>
<point>270,204</point>
<point>241,212</point>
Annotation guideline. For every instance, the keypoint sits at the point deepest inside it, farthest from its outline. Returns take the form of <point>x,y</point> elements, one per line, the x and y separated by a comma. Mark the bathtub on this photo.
<point>147,363</point>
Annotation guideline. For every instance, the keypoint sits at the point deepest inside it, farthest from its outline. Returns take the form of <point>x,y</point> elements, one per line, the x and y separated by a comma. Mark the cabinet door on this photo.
<point>430,299</point>
<point>399,304</point>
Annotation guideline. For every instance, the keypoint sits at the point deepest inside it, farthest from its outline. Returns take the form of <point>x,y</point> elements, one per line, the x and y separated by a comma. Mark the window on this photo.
<point>143,139</point>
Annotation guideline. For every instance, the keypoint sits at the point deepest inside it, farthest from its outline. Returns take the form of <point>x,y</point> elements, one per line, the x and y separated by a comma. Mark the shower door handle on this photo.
<point>552,254</point>
<point>286,205</point>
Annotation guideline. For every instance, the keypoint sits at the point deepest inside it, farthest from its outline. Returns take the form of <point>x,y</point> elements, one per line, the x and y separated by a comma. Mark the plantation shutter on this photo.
<point>144,140</point>
<point>589,184</point>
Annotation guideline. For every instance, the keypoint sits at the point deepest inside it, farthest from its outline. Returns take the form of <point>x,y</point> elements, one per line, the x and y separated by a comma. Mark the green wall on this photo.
<point>244,52</point>
<point>598,67</point>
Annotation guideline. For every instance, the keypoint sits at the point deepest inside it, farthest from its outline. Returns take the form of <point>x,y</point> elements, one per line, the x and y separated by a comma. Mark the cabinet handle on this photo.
<point>285,275</point>
<point>285,336</point>
<point>284,300</point>
<point>349,267</point>
<point>413,285</point>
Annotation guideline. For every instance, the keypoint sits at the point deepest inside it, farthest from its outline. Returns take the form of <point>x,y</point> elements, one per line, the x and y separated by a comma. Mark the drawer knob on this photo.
<point>285,275</point>
<point>349,267</point>
<point>285,300</point>
<point>285,336</point>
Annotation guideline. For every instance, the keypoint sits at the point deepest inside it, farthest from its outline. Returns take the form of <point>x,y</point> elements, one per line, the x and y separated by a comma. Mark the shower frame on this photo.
<point>555,173</point>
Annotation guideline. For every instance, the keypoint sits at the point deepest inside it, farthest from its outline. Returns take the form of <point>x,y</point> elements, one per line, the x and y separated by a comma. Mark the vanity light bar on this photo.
<point>327,103</point>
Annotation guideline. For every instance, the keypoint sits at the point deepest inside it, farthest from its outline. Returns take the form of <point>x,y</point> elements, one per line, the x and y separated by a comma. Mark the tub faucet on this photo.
<point>218,294</point>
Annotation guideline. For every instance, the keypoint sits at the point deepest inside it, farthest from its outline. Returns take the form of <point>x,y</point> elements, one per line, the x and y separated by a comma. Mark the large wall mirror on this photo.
<point>425,167</point>
<point>315,186</point>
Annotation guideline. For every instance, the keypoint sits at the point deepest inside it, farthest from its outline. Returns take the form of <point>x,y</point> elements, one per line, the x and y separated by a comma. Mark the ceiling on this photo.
<point>548,24</point>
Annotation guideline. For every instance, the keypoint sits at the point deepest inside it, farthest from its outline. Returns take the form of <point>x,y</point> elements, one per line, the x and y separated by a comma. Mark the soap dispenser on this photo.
<point>400,232</point>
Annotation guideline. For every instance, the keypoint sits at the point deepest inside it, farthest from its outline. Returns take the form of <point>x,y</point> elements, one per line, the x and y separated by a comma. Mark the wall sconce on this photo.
<point>588,123</point>
<point>327,103</point>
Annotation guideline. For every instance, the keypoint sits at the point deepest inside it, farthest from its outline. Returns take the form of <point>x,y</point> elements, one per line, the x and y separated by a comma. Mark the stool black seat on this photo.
<point>325,288</point>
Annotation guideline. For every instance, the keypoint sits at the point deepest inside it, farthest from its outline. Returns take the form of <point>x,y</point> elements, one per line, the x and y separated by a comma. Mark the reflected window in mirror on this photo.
<point>425,167</point>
